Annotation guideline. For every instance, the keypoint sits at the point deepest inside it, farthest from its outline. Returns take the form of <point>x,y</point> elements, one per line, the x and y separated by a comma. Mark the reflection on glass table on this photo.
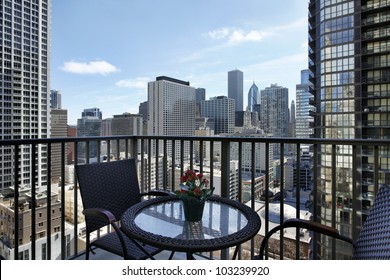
<point>160,222</point>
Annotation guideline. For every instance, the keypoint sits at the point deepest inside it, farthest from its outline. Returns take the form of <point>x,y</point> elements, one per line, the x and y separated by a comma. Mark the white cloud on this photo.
<point>234,35</point>
<point>138,83</point>
<point>239,36</point>
<point>219,33</point>
<point>94,67</point>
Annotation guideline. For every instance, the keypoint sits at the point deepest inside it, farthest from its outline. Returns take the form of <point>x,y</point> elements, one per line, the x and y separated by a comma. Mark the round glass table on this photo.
<point>160,222</point>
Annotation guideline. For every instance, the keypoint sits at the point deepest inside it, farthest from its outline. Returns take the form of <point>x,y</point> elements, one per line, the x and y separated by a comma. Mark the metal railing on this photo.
<point>161,160</point>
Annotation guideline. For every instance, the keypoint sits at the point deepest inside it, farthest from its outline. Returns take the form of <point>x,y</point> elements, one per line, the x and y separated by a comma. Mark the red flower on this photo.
<point>193,184</point>
<point>197,192</point>
<point>183,179</point>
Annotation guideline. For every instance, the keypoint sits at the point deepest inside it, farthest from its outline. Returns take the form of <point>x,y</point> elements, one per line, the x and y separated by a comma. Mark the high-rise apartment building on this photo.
<point>221,109</point>
<point>304,110</point>
<point>55,99</point>
<point>274,113</point>
<point>58,129</point>
<point>90,124</point>
<point>291,129</point>
<point>200,95</point>
<point>106,127</point>
<point>25,84</point>
<point>72,132</point>
<point>253,97</point>
<point>236,88</point>
<point>171,109</point>
<point>125,124</point>
<point>143,110</point>
<point>349,44</point>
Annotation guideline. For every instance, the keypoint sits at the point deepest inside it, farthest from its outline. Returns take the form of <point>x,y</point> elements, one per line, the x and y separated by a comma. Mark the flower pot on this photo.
<point>193,208</point>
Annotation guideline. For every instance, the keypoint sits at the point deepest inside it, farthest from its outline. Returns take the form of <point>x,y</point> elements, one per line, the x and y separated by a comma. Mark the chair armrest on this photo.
<point>159,193</point>
<point>99,212</point>
<point>298,223</point>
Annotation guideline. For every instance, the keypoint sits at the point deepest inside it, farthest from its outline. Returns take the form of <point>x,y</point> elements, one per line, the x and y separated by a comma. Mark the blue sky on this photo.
<point>103,53</point>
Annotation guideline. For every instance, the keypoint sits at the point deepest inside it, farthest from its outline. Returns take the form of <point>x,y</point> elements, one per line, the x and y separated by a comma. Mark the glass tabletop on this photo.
<point>167,219</point>
<point>160,222</point>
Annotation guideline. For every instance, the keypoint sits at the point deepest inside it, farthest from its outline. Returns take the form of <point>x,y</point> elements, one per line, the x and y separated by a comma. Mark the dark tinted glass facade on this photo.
<point>349,60</point>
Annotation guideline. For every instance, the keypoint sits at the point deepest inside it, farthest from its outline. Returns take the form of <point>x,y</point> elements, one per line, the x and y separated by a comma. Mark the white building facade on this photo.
<point>171,109</point>
<point>25,86</point>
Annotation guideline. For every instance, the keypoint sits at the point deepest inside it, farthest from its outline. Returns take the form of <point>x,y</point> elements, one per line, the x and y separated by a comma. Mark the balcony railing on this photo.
<point>41,215</point>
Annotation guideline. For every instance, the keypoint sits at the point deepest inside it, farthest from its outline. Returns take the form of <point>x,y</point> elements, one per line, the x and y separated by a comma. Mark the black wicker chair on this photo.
<point>374,238</point>
<point>107,190</point>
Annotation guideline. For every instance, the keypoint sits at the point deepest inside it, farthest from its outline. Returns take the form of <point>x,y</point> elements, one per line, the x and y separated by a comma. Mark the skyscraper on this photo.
<point>236,88</point>
<point>90,124</point>
<point>55,99</point>
<point>171,109</point>
<point>304,110</point>
<point>200,95</point>
<point>274,113</point>
<point>58,129</point>
<point>348,58</point>
<point>25,84</point>
<point>253,97</point>
<point>292,123</point>
<point>221,109</point>
<point>126,124</point>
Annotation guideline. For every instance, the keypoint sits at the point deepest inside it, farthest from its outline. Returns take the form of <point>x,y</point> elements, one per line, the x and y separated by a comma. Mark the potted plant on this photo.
<point>193,192</point>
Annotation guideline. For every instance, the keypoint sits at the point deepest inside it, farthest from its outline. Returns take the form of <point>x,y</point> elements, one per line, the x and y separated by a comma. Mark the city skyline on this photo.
<point>106,57</point>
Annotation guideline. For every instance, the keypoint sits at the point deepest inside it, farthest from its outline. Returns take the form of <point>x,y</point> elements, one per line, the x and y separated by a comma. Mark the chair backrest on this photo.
<point>112,186</point>
<point>374,238</point>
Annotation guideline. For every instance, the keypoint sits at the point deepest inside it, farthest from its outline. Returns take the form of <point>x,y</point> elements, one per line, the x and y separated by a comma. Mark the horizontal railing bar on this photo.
<point>285,140</point>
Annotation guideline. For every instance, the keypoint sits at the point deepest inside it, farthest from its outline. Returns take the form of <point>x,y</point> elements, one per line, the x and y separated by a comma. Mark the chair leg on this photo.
<point>171,255</point>
<point>87,247</point>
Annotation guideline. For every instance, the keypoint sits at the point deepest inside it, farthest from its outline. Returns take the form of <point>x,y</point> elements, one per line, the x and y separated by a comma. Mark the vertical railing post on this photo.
<point>149,179</point>
<point>266,189</point>
<point>191,143</point>
<point>225,181</point>
<point>16,202</point>
<point>298,198</point>
<point>281,195</point>
<point>63,228</point>
<point>48,202</point>
<point>354,192</point>
<point>240,193</point>
<point>315,196</point>
<point>333,205</point>
<point>134,146</point>
<point>165,165</point>
<point>33,200</point>
<point>142,178</point>
<point>173,177</point>
<point>157,166</point>
<point>225,168</point>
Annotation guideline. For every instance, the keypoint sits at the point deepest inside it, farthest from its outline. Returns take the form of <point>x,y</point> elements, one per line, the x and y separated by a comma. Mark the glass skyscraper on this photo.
<point>349,43</point>
<point>221,110</point>
<point>253,97</point>
<point>90,124</point>
<point>304,111</point>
